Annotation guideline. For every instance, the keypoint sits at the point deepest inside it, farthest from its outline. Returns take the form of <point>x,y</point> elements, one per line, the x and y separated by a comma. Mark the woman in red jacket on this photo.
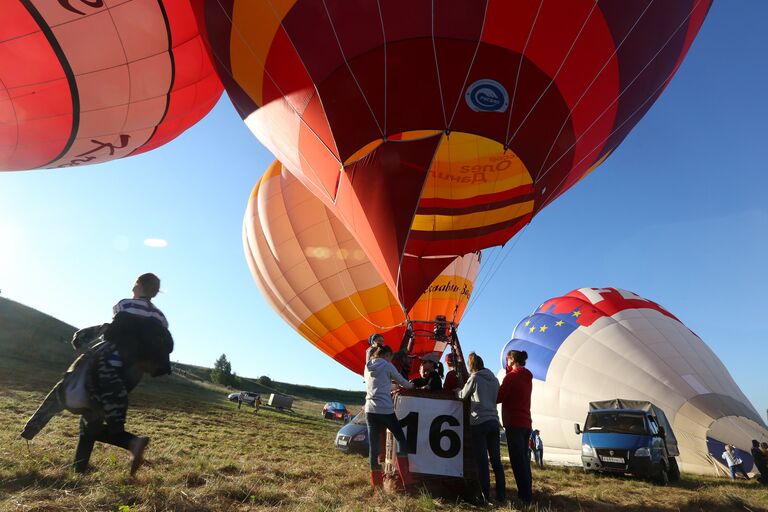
<point>515,399</point>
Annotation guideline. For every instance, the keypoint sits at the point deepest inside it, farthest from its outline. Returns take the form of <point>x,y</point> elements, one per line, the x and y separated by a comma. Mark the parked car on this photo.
<point>629,436</point>
<point>336,411</point>
<point>353,437</point>
<point>249,397</point>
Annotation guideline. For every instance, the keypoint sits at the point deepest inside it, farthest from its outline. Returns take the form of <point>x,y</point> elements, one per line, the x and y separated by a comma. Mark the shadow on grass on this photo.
<point>33,478</point>
<point>693,484</point>
<point>547,500</point>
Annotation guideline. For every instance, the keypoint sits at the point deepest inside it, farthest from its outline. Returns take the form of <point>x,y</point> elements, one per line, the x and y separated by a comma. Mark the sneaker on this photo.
<point>137,448</point>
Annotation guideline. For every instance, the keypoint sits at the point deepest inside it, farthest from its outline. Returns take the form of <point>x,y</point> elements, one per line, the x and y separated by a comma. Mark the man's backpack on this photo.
<point>73,393</point>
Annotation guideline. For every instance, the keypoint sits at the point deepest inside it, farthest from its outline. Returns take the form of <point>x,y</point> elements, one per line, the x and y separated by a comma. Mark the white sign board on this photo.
<point>434,430</point>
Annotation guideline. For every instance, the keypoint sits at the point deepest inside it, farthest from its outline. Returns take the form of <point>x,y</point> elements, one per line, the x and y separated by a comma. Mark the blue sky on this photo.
<point>679,215</point>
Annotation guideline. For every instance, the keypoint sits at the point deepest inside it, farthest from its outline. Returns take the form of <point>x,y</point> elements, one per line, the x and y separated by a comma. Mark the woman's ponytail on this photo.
<point>518,356</point>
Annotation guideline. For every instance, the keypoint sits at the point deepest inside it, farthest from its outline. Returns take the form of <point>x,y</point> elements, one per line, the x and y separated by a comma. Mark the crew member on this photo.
<point>515,399</point>
<point>429,374</point>
<point>380,412</point>
<point>454,371</point>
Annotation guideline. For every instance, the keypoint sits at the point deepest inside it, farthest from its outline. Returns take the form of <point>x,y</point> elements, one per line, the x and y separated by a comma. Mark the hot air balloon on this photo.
<point>433,129</point>
<point>603,343</point>
<point>86,81</point>
<point>316,276</point>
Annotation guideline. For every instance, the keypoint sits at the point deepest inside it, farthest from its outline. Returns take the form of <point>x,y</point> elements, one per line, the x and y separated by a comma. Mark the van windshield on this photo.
<point>616,422</point>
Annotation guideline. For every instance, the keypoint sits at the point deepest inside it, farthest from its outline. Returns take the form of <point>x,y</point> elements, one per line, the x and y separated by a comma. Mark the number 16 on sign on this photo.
<point>434,430</point>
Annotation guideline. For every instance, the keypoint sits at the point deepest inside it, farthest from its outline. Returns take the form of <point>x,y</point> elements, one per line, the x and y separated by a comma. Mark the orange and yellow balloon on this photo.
<point>316,276</point>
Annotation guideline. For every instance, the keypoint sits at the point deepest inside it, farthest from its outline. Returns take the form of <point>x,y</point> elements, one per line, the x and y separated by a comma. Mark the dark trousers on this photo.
<point>738,468</point>
<point>519,459</point>
<point>93,428</point>
<point>378,424</point>
<point>763,469</point>
<point>485,445</point>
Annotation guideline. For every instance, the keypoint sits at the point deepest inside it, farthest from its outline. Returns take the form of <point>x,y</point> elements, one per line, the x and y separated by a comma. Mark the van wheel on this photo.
<point>663,477</point>
<point>674,470</point>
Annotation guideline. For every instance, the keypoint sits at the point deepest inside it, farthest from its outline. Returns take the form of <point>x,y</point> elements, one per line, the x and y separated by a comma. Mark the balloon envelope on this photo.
<point>598,344</point>
<point>440,128</point>
<point>315,275</point>
<point>83,82</point>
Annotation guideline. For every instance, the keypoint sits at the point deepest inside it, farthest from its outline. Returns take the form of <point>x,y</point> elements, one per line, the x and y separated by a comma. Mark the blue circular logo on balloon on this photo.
<point>487,96</point>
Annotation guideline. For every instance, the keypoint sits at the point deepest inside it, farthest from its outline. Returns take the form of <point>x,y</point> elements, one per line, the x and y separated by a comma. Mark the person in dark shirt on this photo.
<point>430,375</point>
<point>454,371</point>
<point>137,341</point>
<point>760,462</point>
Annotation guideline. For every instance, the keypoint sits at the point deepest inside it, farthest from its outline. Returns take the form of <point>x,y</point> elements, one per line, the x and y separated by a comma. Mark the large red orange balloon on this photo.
<point>439,128</point>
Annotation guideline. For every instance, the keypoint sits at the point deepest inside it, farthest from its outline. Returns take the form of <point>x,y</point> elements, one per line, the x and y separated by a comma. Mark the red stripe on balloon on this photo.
<point>443,206</point>
<point>429,243</point>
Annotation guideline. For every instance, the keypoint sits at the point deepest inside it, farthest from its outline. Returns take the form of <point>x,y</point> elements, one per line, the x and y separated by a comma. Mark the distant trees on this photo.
<point>265,381</point>
<point>222,372</point>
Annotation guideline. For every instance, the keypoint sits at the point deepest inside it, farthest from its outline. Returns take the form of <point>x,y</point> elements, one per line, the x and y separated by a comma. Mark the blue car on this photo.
<point>353,437</point>
<point>623,436</point>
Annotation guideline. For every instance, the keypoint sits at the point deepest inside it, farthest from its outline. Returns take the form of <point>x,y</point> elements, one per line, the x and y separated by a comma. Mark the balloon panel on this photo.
<point>87,82</point>
<point>603,343</point>
<point>315,275</point>
<point>475,195</point>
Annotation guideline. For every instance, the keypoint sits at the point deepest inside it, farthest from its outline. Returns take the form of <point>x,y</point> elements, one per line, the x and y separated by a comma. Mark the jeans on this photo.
<point>539,455</point>
<point>740,469</point>
<point>517,443</point>
<point>378,424</point>
<point>485,445</point>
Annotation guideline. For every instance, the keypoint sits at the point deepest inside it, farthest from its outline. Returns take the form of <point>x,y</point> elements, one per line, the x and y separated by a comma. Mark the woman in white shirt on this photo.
<point>380,412</point>
<point>734,462</point>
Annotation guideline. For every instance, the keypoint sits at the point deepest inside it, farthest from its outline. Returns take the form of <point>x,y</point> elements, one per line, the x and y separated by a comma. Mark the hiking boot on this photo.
<point>137,447</point>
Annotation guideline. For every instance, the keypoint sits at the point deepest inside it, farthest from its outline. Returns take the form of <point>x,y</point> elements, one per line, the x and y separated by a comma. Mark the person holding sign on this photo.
<point>515,399</point>
<point>379,375</point>
<point>483,388</point>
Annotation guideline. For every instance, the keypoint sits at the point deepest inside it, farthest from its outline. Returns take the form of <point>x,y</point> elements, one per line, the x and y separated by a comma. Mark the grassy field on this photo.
<point>206,455</point>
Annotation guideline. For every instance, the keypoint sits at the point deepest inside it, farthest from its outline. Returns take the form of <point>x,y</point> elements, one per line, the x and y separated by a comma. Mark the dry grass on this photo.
<point>205,455</point>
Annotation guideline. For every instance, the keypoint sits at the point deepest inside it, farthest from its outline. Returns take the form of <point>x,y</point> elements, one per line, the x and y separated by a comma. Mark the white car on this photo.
<point>249,397</point>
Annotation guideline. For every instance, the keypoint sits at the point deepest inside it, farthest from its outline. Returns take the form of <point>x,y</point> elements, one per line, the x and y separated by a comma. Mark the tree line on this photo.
<point>222,374</point>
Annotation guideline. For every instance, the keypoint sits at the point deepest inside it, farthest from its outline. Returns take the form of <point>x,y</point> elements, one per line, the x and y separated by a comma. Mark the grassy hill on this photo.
<point>206,455</point>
